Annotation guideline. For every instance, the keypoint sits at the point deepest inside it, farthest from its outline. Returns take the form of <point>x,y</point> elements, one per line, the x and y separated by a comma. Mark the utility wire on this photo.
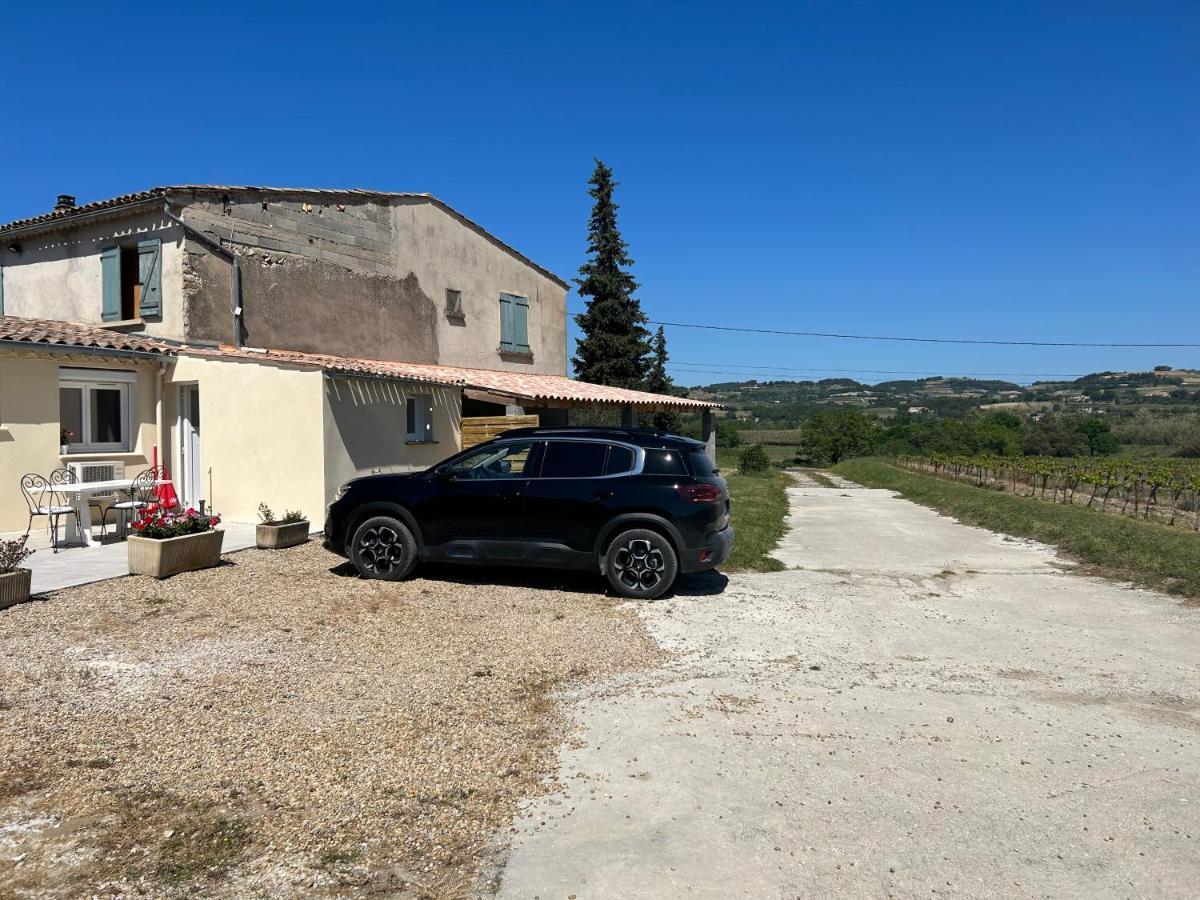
<point>711,367</point>
<point>917,340</point>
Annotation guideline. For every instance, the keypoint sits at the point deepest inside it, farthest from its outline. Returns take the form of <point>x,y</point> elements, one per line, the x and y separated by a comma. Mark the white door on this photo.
<point>191,458</point>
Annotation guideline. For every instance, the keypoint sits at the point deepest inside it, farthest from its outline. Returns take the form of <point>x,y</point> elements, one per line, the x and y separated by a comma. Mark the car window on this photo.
<point>620,459</point>
<point>495,461</point>
<point>663,462</point>
<point>702,464</point>
<point>574,459</point>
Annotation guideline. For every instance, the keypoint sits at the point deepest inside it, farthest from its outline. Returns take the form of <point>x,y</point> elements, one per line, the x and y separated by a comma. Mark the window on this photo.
<point>94,409</point>
<point>702,464</point>
<point>620,460</point>
<point>418,414</point>
<point>574,459</point>
<point>663,462</point>
<point>131,281</point>
<point>454,307</point>
<point>514,324</point>
<point>496,461</point>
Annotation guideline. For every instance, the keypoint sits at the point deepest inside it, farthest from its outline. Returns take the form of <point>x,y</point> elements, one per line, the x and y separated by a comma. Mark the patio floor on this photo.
<point>82,565</point>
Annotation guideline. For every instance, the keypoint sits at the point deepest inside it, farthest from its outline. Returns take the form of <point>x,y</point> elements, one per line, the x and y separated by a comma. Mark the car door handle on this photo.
<point>510,495</point>
<point>602,495</point>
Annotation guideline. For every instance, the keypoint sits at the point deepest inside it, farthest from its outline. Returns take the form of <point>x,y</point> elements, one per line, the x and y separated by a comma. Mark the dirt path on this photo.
<point>922,709</point>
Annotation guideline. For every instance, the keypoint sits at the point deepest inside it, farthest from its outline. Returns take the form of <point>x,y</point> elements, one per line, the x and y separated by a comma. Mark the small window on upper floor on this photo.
<point>454,307</point>
<point>131,281</point>
<point>514,324</point>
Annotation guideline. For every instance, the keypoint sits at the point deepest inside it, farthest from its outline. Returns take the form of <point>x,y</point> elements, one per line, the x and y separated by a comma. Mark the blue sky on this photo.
<point>998,170</point>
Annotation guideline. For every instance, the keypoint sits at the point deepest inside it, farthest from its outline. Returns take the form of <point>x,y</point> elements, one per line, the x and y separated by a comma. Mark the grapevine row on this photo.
<point>1167,490</point>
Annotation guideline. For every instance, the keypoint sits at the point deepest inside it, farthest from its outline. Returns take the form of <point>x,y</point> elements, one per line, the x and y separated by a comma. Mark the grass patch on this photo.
<point>202,849</point>
<point>1147,553</point>
<point>820,478</point>
<point>759,508</point>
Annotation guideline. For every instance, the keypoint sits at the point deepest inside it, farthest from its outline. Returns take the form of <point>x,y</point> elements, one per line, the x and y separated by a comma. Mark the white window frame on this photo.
<point>87,380</point>
<point>422,407</point>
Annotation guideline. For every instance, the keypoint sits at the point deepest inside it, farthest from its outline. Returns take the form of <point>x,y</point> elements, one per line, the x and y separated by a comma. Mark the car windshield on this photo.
<point>497,461</point>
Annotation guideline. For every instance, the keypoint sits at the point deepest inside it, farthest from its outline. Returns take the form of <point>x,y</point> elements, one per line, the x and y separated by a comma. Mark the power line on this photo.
<point>916,340</point>
<point>708,367</point>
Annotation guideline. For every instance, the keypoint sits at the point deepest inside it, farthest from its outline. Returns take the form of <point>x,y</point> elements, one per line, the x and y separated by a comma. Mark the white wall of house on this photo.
<point>56,275</point>
<point>366,427</point>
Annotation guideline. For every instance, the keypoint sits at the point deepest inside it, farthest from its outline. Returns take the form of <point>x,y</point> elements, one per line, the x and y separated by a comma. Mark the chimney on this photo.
<point>65,201</point>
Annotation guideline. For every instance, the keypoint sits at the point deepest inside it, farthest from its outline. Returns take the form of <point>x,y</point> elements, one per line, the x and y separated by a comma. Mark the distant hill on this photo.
<point>784,401</point>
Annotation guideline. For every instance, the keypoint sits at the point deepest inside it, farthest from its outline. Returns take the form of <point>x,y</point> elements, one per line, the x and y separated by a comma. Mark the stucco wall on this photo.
<point>29,424</point>
<point>365,428</point>
<point>261,435</point>
<point>443,253</point>
<point>57,275</point>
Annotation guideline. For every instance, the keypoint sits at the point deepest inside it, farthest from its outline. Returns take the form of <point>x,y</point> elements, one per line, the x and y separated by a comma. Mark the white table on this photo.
<point>82,491</point>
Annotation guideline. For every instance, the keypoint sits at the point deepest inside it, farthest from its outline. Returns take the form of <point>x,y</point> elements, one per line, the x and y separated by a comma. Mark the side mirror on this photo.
<point>504,467</point>
<point>442,476</point>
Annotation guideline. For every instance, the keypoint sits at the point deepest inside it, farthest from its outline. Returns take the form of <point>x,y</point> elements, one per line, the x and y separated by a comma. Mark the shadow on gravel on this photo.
<point>699,584</point>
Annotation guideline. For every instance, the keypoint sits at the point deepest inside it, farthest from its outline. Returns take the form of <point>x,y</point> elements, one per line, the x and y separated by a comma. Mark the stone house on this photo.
<point>268,344</point>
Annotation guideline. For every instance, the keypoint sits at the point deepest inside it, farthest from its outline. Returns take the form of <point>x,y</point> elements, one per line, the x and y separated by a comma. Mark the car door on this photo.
<point>580,486</point>
<point>475,510</point>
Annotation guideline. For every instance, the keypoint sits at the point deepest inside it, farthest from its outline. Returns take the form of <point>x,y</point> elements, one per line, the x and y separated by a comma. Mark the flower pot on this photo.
<point>276,537</point>
<point>14,587</point>
<point>170,556</point>
<point>64,449</point>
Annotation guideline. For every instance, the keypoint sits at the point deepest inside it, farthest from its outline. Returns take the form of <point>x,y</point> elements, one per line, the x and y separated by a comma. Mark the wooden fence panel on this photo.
<point>477,429</point>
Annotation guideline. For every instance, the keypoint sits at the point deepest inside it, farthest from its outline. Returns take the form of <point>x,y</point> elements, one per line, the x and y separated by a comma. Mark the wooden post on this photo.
<point>628,417</point>
<point>708,432</point>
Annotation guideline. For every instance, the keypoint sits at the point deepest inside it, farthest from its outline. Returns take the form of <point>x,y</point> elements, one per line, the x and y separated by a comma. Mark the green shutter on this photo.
<point>521,324</point>
<point>506,322</point>
<point>150,276</point>
<point>110,284</point>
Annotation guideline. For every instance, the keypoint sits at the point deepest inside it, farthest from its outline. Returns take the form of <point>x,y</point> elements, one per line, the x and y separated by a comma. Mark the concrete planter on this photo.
<point>170,556</point>
<point>276,537</point>
<point>14,587</point>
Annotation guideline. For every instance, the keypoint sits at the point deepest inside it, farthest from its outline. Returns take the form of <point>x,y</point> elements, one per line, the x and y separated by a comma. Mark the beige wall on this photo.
<point>365,428</point>
<point>261,435</point>
<point>29,423</point>
<point>443,253</point>
<point>57,274</point>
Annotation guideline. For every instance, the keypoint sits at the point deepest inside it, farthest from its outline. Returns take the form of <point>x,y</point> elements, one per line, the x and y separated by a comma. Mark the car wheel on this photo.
<point>641,564</point>
<point>383,547</point>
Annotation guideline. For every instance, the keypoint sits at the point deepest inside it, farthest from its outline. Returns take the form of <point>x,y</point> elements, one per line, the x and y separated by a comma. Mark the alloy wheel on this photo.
<point>380,549</point>
<point>639,565</point>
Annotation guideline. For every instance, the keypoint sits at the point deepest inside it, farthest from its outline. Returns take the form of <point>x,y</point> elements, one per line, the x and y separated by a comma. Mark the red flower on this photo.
<point>213,520</point>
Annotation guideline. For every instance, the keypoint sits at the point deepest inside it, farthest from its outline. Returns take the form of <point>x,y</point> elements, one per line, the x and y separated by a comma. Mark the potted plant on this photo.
<point>64,441</point>
<point>287,530</point>
<point>14,580</point>
<point>169,542</point>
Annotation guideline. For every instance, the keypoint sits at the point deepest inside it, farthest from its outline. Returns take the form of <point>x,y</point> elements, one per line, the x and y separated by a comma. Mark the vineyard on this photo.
<point>1165,490</point>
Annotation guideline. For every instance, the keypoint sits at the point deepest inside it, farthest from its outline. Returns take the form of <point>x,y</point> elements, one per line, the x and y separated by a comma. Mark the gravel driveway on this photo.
<point>916,708</point>
<point>275,728</point>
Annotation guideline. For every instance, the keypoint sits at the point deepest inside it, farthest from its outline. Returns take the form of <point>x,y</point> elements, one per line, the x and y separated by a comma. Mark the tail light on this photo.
<point>698,493</point>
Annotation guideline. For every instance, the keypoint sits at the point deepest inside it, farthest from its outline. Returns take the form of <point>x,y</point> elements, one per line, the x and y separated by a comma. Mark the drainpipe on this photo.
<point>235,303</point>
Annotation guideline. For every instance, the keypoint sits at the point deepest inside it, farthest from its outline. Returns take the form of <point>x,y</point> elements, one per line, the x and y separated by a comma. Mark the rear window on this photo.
<point>702,465</point>
<point>573,459</point>
<point>620,459</point>
<point>663,462</point>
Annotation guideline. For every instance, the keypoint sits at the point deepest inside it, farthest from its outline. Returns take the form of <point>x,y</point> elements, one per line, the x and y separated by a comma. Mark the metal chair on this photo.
<point>44,500</point>
<point>141,494</point>
<point>63,475</point>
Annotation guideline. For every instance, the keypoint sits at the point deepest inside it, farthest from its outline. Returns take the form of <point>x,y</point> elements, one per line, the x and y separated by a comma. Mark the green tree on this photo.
<point>615,346</point>
<point>659,382</point>
<point>1100,438</point>
<point>829,437</point>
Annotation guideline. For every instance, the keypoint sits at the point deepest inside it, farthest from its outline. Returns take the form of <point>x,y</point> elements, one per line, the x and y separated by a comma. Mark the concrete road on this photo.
<point>916,708</point>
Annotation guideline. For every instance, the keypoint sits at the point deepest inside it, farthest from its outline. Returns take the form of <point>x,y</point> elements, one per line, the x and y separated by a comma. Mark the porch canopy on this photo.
<point>493,385</point>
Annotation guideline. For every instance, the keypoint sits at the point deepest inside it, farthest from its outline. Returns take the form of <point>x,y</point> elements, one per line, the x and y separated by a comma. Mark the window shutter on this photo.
<point>150,276</point>
<point>521,324</point>
<point>506,322</point>
<point>110,284</point>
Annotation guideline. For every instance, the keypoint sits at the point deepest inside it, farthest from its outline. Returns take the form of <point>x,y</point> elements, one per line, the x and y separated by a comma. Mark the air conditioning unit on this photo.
<point>87,472</point>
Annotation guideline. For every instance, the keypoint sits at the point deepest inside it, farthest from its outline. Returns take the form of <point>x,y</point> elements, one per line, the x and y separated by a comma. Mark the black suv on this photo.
<point>639,506</point>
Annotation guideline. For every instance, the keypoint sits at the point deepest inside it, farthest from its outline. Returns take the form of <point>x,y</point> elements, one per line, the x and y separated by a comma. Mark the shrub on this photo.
<point>13,553</point>
<point>289,517</point>
<point>754,460</point>
<point>161,523</point>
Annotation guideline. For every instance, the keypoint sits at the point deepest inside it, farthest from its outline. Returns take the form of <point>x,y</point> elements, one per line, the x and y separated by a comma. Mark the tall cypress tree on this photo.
<point>615,346</point>
<point>659,382</point>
